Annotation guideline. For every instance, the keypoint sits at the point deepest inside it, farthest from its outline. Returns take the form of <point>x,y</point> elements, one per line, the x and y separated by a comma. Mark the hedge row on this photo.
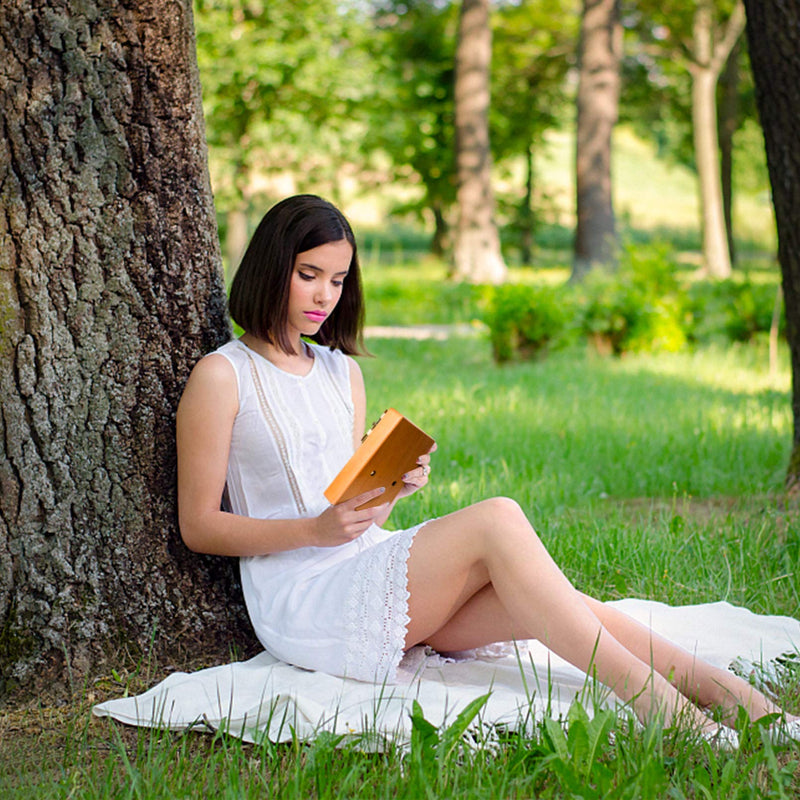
<point>641,306</point>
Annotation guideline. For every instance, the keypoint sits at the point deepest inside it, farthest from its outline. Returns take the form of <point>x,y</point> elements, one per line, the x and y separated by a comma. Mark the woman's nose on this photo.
<point>323,293</point>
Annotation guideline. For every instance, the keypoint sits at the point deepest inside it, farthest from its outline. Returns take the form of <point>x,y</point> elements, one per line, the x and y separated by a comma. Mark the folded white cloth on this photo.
<point>264,697</point>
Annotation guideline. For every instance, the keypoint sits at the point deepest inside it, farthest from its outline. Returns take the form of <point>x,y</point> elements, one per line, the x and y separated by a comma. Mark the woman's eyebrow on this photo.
<point>320,269</point>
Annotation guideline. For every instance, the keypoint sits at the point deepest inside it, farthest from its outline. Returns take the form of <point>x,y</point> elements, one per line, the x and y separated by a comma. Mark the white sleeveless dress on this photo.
<point>341,610</point>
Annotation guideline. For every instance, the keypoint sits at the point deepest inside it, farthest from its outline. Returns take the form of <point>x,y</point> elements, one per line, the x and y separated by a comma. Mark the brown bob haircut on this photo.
<point>259,296</point>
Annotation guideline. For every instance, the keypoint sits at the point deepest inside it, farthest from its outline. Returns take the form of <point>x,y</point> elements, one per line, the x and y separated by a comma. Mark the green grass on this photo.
<point>417,294</point>
<point>674,460</point>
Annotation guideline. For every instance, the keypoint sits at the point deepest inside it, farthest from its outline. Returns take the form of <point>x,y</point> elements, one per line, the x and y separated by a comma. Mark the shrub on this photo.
<point>526,320</point>
<point>731,310</point>
<point>638,307</point>
<point>608,309</point>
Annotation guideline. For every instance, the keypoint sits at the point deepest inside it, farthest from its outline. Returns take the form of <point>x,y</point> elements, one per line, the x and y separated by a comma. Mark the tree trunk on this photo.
<point>599,53</point>
<point>773,38</point>
<point>710,52</point>
<point>111,290</point>
<point>440,243</point>
<point>526,219</point>
<point>716,259</point>
<point>710,48</point>
<point>728,122</point>
<point>477,253</point>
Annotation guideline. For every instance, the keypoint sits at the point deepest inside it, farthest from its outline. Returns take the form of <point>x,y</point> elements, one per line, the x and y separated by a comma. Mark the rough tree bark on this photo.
<point>476,252</point>
<point>110,289</point>
<point>773,38</point>
<point>599,53</point>
<point>711,46</point>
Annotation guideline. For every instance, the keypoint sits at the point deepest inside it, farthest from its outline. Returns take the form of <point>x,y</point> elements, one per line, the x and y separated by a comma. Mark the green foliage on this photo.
<point>435,752</point>
<point>656,96</point>
<point>637,307</point>
<point>533,46</point>
<point>533,49</point>
<point>584,763</point>
<point>279,83</point>
<point>576,751</point>
<point>410,117</point>
<point>525,320</point>
<point>642,306</point>
<point>730,310</point>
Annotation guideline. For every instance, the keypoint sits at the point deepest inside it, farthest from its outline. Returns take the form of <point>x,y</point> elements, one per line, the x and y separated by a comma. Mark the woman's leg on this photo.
<point>483,620</point>
<point>695,678</point>
<point>481,575</point>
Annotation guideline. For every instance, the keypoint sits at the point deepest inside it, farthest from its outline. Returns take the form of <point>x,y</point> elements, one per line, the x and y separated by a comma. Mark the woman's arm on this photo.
<point>205,419</point>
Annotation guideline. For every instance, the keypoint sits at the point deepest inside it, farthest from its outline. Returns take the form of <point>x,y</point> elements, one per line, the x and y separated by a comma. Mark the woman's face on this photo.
<point>317,280</point>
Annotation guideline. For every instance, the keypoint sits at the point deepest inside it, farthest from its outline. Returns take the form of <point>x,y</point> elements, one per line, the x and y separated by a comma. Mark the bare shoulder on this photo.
<point>358,395</point>
<point>213,379</point>
<point>356,379</point>
<point>355,370</point>
<point>213,367</point>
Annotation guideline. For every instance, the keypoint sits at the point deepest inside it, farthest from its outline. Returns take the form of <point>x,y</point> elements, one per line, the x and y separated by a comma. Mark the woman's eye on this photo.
<point>337,284</point>
<point>305,276</point>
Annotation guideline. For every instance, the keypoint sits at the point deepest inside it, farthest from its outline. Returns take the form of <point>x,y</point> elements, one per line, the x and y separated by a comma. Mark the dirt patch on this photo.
<point>702,510</point>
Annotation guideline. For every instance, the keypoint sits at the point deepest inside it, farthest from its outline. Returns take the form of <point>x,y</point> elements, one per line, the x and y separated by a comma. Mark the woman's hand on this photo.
<point>344,522</point>
<point>413,481</point>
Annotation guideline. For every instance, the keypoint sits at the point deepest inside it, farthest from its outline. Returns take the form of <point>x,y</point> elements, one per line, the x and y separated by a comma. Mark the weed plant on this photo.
<point>652,476</point>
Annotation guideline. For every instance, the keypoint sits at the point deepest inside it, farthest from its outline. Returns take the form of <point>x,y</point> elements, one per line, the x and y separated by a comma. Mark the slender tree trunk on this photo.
<point>110,290</point>
<point>773,38</point>
<point>526,215</point>
<point>711,46</point>
<point>728,122</point>
<point>477,243</point>
<point>716,258</point>
<point>599,53</point>
<point>440,244</point>
<point>236,234</point>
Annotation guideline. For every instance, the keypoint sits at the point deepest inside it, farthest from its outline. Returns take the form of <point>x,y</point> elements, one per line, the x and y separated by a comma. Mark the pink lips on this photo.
<point>315,316</point>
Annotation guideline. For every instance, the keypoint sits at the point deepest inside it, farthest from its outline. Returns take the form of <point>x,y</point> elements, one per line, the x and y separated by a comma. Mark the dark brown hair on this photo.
<point>259,297</point>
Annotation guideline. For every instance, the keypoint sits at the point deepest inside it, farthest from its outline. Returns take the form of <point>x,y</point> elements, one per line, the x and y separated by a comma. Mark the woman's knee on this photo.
<point>505,514</point>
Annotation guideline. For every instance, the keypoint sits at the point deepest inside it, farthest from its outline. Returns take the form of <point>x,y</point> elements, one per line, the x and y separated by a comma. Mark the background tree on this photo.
<point>700,34</point>
<point>409,118</point>
<point>728,120</point>
<point>711,47</point>
<point>533,50</point>
<point>599,54</point>
<point>477,253</point>
<point>773,35</point>
<point>111,290</point>
<point>280,82</point>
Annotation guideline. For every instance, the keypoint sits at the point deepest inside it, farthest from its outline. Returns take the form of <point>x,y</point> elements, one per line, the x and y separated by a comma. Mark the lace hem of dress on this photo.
<point>376,611</point>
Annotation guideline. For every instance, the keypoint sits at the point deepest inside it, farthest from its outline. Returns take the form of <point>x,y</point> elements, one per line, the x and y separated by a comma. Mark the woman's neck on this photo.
<point>298,363</point>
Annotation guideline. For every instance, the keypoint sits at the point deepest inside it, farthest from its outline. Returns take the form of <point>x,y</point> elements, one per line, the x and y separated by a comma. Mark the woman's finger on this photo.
<point>364,497</point>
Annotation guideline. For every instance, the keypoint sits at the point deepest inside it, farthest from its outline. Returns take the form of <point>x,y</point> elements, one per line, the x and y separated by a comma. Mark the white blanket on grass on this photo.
<point>264,697</point>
